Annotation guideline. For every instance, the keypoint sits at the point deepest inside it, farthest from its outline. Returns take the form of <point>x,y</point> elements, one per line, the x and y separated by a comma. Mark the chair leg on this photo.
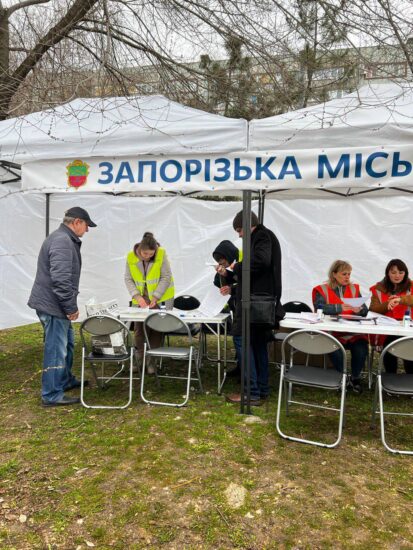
<point>82,386</point>
<point>280,396</point>
<point>197,367</point>
<point>382,413</point>
<point>287,403</point>
<point>309,441</point>
<point>370,361</point>
<point>374,406</point>
<point>188,384</point>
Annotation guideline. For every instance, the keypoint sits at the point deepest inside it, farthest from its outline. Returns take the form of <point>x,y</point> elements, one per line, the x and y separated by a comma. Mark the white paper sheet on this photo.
<point>356,302</point>
<point>213,302</point>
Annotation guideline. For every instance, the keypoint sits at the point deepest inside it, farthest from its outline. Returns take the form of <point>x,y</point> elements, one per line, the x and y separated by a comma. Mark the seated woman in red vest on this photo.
<point>148,278</point>
<point>331,298</point>
<point>393,296</point>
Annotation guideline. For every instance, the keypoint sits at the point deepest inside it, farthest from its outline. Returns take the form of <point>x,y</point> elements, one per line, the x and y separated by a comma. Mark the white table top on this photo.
<point>194,316</point>
<point>328,324</point>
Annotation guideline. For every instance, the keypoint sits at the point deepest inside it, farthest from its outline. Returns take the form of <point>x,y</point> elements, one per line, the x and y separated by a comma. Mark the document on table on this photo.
<point>384,320</point>
<point>304,317</point>
<point>213,302</point>
<point>356,302</point>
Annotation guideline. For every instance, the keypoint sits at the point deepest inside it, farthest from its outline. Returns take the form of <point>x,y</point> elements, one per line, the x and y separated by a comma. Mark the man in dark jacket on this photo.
<point>265,279</point>
<point>54,297</point>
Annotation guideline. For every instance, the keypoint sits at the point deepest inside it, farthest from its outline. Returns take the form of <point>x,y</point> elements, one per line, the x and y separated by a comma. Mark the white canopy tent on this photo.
<point>82,129</point>
<point>166,147</point>
<point>362,142</point>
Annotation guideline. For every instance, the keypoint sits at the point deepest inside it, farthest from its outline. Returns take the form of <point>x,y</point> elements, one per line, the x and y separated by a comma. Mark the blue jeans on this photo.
<point>359,351</point>
<point>259,366</point>
<point>59,343</point>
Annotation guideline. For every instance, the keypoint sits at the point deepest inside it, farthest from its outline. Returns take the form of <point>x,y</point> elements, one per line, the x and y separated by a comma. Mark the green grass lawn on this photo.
<point>156,477</point>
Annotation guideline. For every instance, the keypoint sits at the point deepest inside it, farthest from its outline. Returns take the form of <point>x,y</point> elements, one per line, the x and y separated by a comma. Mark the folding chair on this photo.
<point>289,307</point>
<point>165,322</point>
<point>312,342</point>
<point>187,303</point>
<point>393,384</point>
<point>106,326</point>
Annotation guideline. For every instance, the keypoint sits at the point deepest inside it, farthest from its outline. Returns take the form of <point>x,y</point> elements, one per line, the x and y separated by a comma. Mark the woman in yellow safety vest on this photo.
<point>148,278</point>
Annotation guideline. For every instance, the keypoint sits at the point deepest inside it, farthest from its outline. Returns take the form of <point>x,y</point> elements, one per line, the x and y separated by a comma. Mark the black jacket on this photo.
<point>56,285</point>
<point>265,270</point>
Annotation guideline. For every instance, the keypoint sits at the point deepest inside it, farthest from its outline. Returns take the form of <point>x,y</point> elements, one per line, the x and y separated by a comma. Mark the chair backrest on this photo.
<point>164,322</point>
<point>104,325</point>
<point>296,307</point>
<point>401,348</point>
<point>313,342</point>
<point>186,302</point>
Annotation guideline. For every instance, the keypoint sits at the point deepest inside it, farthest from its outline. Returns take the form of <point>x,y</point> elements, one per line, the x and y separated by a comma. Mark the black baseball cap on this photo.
<point>77,212</point>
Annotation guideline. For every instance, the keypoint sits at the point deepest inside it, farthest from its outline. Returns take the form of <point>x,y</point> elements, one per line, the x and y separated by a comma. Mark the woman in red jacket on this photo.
<point>393,296</point>
<point>331,298</point>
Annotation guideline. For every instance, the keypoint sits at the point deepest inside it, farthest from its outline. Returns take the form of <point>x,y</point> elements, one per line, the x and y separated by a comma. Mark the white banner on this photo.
<point>361,167</point>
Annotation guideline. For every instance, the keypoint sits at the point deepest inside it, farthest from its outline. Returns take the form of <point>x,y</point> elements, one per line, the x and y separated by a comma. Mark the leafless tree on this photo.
<point>54,50</point>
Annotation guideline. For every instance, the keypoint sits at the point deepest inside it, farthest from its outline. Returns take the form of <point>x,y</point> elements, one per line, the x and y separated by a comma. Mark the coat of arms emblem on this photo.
<point>77,173</point>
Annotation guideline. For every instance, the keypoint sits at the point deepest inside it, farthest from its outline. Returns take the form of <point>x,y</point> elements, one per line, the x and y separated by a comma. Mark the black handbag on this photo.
<point>266,310</point>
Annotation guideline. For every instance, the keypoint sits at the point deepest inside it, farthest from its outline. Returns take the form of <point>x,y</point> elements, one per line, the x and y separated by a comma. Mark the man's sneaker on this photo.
<point>234,373</point>
<point>76,384</point>
<point>355,385</point>
<point>151,366</point>
<point>64,401</point>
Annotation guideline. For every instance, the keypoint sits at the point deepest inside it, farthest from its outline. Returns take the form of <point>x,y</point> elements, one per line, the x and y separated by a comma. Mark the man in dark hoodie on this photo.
<point>225,254</point>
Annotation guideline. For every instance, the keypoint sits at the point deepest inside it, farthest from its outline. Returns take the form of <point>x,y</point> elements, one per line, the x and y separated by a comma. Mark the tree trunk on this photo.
<point>10,82</point>
<point>4,61</point>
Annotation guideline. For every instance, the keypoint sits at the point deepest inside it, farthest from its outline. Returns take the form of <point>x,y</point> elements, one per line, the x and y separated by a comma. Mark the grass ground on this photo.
<point>156,477</point>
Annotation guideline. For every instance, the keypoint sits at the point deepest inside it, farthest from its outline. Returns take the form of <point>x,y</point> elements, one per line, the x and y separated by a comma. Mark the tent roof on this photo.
<point>376,114</point>
<point>136,125</point>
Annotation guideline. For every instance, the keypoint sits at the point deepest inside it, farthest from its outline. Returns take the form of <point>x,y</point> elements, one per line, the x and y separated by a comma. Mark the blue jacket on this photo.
<point>56,285</point>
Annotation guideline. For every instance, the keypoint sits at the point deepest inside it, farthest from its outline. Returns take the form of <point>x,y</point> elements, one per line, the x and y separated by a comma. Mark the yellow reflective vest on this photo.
<point>151,280</point>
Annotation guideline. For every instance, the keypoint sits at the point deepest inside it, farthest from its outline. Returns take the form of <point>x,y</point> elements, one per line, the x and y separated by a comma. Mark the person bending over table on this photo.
<point>392,296</point>
<point>331,298</point>
<point>148,278</point>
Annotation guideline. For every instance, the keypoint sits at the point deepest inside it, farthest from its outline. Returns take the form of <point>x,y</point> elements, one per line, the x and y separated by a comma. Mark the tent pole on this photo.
<point>261,205</point>
<point>246,291</point>
<point>47,214</point>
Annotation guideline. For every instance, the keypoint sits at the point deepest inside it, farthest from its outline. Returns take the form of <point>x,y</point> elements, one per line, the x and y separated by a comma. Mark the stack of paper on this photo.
<point>384,320</point>
<point>304,317</point>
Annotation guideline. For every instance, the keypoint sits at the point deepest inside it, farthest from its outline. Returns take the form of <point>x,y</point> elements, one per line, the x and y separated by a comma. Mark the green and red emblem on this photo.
<point>77,173</point>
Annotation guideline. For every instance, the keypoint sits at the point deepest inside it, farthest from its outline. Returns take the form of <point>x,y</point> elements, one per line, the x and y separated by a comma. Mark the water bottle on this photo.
<point>406,320</point>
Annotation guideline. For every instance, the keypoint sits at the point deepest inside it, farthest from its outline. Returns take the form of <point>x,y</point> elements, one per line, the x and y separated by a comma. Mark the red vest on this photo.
<point>399,311</point>
<point>351,290</point>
